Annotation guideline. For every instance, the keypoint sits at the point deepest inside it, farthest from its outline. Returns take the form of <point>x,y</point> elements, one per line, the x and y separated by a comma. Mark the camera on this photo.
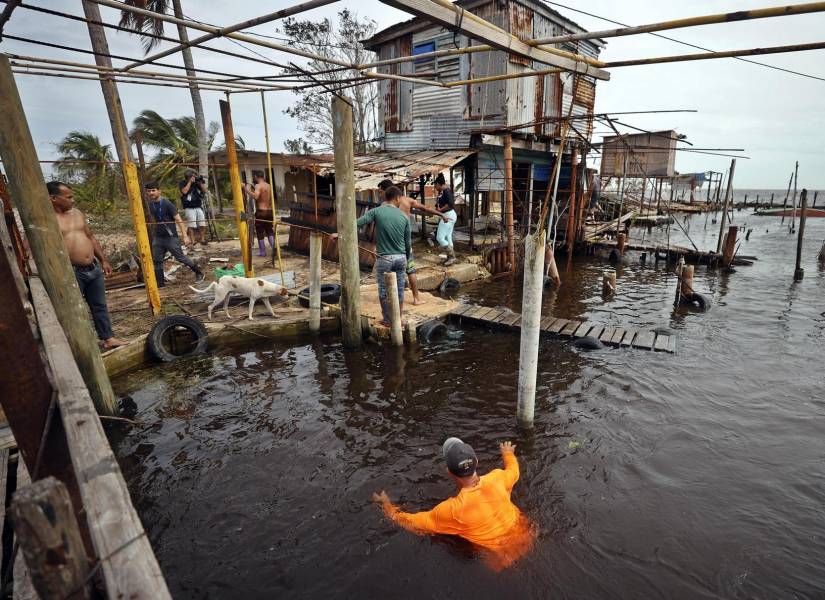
<point>200,179</point>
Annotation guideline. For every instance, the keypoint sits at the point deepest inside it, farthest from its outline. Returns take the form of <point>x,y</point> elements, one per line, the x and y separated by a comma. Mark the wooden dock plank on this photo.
<point>570,328</point>
<point>558,325</point>
<point>583,329</point>
<point>618,335</point>
<point>511,320</point>
<point>482,315</point>
<point>492,316</point>
<point>671,344</point>
<point>596,332</point>
<point>629,335</point>
<point>645,340</point>
<point>546,322</point>
<point>661,343</point>
<point>473,314</point>
<point>461,309</point>
<point>504,314</point>
<point>607,334</point>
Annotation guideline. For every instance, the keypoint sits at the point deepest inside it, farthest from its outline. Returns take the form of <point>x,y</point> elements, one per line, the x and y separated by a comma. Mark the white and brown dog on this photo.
<point>252,288</point>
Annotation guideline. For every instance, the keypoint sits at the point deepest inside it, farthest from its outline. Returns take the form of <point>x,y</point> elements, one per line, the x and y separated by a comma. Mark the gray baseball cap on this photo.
<point>461,458</point>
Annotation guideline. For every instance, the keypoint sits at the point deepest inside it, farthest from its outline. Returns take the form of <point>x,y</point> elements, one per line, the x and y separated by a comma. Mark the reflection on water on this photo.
<point>650,475</point>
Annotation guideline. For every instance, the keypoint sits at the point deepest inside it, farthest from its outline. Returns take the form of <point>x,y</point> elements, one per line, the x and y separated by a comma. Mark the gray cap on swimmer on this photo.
<point>461,458</point>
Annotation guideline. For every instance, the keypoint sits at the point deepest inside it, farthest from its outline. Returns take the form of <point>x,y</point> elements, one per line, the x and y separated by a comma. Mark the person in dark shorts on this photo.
<point>192,193</point>
<point>166,224</point>
<point>261,192</point>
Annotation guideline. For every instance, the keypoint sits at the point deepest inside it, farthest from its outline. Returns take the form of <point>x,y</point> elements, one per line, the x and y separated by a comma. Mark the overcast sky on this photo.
<point>776,117</point>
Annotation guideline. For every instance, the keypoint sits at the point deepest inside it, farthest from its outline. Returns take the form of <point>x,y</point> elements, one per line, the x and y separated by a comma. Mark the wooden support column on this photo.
<point>316,247</point>
<point>730,245</point>
<point>799,272</point>
<point>237,191</point>
<point>345,210</point>
<point>533,286</point>
<point>508,200</point>
<point>621,240</point>
<point>394,308</point>
<point>571,209</point>
<point>793,212</point>
<point>46,242</point>
<point>144,248</point>
<point>728,195</point>
<point>49,537</point>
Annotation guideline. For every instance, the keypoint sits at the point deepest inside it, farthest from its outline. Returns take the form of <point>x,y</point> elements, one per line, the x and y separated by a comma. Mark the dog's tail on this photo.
<point>211,286</point>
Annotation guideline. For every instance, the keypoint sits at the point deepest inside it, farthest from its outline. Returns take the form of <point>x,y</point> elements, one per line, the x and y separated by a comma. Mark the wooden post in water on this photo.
<point>793,212</point>
<point>730,245</point>
<point>787,195</point>
<point>237,191</point>
<point>771,204</point>
<point>571,210</point>
<point>534,249</point>
<point>799,272</point>
<point>394,307</point>
<point>686,282</point>
<point>621,240</point>
<point>46,242</point>
<point>45,525</point>
<point>679,266</point>
<point>345,212</point>
<point>609,283</point>
<point>728,195</point>
<point>316,242</point>
<point>508,200</point>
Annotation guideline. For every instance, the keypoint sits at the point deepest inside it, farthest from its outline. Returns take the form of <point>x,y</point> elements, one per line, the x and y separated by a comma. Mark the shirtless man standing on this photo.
<point>86,257</point>
<point>407,205</point>
<point>261,192</point>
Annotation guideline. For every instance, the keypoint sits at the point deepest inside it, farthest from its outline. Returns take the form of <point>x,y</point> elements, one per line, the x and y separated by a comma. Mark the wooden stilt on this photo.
<point>609,283</point>
<point>799,272</point>
<point>534,250</point>
<point>394,306</point>
<point>730,246</point>
<point>316,247</point>
<point>237,191</point>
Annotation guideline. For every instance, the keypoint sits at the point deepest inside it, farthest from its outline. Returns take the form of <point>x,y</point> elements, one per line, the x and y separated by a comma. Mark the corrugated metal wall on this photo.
<point>491,167</point>
<point>419,116</point>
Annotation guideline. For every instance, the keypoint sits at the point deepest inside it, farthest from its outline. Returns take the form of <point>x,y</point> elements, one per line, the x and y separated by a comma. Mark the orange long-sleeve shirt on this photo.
<point>482,514</point>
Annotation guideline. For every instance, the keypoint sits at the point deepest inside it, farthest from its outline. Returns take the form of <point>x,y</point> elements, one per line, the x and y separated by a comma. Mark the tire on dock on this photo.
<point>431,331</point>
<point>158,337</point>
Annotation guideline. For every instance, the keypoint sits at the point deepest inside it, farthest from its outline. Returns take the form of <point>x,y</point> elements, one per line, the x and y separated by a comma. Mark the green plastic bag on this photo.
<point>237,271</point>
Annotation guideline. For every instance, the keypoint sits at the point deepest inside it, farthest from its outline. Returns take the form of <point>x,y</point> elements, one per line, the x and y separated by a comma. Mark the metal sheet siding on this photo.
<point>521,26</point>
<point>429,100</point>
<point>489,99</point>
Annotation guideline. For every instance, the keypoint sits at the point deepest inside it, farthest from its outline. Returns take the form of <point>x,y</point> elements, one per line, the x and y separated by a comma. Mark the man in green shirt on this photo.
<point>393,246</point>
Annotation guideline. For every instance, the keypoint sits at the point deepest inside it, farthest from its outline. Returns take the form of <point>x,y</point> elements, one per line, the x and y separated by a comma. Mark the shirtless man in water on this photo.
<point>86,257</point>
<point>406,205</point>
<point>261,192</point>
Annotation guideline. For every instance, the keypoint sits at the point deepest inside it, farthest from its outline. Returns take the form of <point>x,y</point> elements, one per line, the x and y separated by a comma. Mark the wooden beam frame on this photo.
<point>471,25</point>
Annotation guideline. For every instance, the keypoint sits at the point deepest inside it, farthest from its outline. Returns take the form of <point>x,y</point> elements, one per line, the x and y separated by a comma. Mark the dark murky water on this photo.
<point>695,475</point>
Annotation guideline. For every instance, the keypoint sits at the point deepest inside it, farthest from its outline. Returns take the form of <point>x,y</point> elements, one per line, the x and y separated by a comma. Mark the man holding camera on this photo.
<point>192,194</point>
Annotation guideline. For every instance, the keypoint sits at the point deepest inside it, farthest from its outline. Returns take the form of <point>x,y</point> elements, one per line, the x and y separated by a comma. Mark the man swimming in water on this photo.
<point>481,512</point>
<point>406,205</point>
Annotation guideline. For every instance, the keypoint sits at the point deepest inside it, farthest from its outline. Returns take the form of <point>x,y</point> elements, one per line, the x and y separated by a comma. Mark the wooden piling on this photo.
<point>771,204</point>
<point>49,537</point>
<point>394,308</point>
<point>680,264</point>
<point>793,212</point>
<point>799,272</point>
<point>46,242</point>
<point>237,191</point>
<point>346,216</point>
<point>730,245</point>
<point>686,282</point>
<point>609,283</point>
<point>621,240</point>
<point>508,200</point>
<point>142,243</point>
<point>534,249</point>
<point>728,196</point>
<point>571,210</point>
<point>316,247</point>
<point>550,266</point>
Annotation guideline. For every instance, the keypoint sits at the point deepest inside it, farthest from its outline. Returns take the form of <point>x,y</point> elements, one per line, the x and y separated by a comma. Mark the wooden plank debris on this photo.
<point>618,335</point>
<point>570,328</point>
<point>662,342</point>
<point>558,325</point>
<point>645,340</point>
<point>607,334</point>
<point>583,329</point>
<point>629,335</point>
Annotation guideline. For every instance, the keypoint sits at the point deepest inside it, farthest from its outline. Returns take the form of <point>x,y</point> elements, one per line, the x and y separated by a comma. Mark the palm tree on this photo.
<point>175,141</point>
<point>85,161</point>
<point>145,25</point>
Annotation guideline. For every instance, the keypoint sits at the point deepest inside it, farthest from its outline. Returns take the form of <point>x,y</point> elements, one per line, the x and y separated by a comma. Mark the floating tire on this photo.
<point>155,340</point>
<point>449,283</point>
<point>330,294</point>
<point>431,331</point>
<point>699,300</point>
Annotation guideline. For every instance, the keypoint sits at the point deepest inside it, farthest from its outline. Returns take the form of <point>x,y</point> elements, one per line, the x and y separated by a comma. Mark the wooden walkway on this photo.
<point>609,335</point>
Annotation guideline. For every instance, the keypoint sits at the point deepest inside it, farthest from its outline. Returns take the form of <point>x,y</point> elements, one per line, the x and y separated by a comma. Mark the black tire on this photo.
<point>330,294</point>
<point>431,331</point>
<point>449,283</point>
<point>700,301</point>
<point>155,339</point>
